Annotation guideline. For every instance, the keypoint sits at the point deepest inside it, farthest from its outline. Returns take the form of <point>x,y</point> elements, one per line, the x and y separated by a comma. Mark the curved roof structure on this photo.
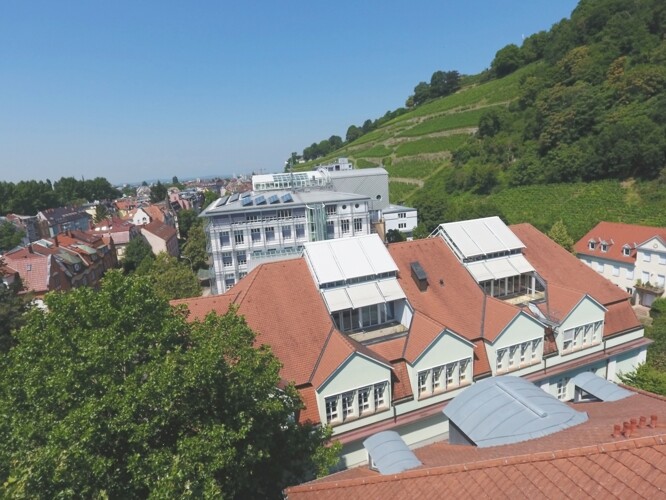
<point>505,410</point>
<point>389,453</point>
<point>600,388</point>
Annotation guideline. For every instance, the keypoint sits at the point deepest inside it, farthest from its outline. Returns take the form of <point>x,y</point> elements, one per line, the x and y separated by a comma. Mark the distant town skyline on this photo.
<point>144,90</point>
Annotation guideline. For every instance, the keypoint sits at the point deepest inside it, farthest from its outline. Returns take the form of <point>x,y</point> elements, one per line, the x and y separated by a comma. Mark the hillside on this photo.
<point>582,103</point>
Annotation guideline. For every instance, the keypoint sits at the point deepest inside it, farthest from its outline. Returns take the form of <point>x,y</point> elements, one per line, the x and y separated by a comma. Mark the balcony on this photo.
<point>387,331</point>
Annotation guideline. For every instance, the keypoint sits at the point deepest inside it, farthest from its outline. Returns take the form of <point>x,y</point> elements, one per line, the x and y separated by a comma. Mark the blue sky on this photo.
<point>133,90</point>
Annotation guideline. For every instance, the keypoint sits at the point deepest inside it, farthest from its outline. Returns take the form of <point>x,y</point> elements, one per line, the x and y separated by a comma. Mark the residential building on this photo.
<point>27,224</point>
<point>119,230</point>
<point>400,218</point>
<point>386,337</point>
<point>631,256</point>
<point>244,230</point>
<point>66,261</point>
<point>159,212</point>
<point>161,237</point>
<point>53,221</point>
<point>340,164</point>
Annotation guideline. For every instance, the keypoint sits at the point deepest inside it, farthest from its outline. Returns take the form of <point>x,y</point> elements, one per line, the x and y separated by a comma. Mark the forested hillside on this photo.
<point>581,103</point>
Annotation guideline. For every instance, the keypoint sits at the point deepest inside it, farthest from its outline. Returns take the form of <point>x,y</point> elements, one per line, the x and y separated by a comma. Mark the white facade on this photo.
<point>243,231</point>
<point>399,218</point>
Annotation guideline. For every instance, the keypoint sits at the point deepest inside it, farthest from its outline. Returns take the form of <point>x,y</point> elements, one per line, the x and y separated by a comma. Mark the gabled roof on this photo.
<point>617,235</point>
<point>161,230</point>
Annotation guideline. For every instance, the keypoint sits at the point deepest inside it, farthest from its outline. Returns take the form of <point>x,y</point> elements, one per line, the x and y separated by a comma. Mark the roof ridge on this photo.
<point>321,354</point>
<point>603,448</point>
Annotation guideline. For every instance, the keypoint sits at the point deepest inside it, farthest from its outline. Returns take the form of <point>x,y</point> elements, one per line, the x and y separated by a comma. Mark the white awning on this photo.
<point>365,294</point>
<point>391,290</point>
<point>337,300</point>
<point>480,272</point>
<point>521,264</point>
<point>495,269</point>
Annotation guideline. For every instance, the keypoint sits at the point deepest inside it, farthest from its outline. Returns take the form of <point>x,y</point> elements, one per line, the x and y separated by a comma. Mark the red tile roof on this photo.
<point>580,462</point>
<point>616,235</point>
<point>161,230</point>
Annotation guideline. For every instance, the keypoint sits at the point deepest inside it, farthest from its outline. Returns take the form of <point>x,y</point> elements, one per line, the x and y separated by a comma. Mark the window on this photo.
<point>256,234</point>
<point>626,250</point>
<point>330,228</point>
<point>661,280</point>
<point>591,244</point>
<point>562,385</point>
<point>535,348</point>
<point>662,260</point>
<point>300,230</point>
<point>604,247</point>
<point>500,359</point>
<point>523,352</point>
<point>229,280</point>
<point>519,355</point>
<point>331,209</point>
<point>270,233</point>
<point>344,226</point>
<point>645,277</point>
<point>581,336</point>
<point>364,317</point>
<point>284,213</point>
<point>629,274</point>
<point>647,257</point>
<point>224,238</point>
<point>512,355</point>
<point>239,238</point>
<point>28,267</point>
<point>356,403</point>
<point>252,218</point>
<point>402,215</point>
<point>241,258</point>
<point>227,260</point>
<point>358,225</point>
<point>616,271</point>
<point>443,378</point>
<point>402,225</point>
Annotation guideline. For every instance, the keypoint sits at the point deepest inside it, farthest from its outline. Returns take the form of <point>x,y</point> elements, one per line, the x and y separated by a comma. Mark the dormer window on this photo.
<point>604,247</point>
<point>591,244</point>
<point>626,250</point>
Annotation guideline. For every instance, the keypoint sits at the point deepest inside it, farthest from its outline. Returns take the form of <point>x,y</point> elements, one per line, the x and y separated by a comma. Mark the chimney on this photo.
<point>633,423</point>
<point>627,430</point>
<point>653,421</point>
<point>30,248</point>
<point>617,430</point>
<point>642,422</point>
<point>55,240</point>
<point>419,276</point>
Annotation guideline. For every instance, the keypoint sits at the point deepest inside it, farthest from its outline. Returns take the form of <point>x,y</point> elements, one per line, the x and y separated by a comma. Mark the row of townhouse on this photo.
<point>383,338</point>
<point>631,256</point>
<point>66,261</point>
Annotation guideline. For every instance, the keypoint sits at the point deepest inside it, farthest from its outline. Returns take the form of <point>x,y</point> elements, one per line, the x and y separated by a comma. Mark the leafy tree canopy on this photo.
<point>136,251</point>
<point>559,234</point>
<point>194,249</point>
<point>113,394</point>
<point>13,305</point>
<point>10,236</point>
<point>158,192</point>
<point>171,278</point>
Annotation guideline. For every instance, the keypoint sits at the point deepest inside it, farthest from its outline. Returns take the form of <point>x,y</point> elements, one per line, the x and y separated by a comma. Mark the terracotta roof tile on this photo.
<point>391,349</point>
<point>620,317</point>
<point>310,412</point>
<point>498,315</point>
<point>481,365</point>
<point>161,230</point>
<point>422,333</point>
<point>616,235</point>
<point>401,386</point>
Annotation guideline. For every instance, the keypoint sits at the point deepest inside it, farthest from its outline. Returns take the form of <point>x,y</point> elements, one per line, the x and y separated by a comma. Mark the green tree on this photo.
<point>186,218</point>
<point>112,394</point>
<point>136,251</point>
<point>394,236</point>
<point>13,306</point>
<point>507,60</point>
<point>353,133</point>
<point>101,213</point>
<point>10,236</point>
<point>559,234</point>
<point>171,278</point>
<point>210,197</point>
<point>195,248</point>
<point>158,192</point>
<point>647,378</point>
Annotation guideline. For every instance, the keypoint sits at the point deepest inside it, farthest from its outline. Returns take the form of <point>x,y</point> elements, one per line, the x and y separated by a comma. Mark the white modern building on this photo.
<point>400,218</point>
<point>631,256</point>
<point>378,338</point>
<point>244,230</point>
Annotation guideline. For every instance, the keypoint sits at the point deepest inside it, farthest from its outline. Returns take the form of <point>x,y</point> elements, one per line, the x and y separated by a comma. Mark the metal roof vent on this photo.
<point>419,276</point>
<point>389,454</point>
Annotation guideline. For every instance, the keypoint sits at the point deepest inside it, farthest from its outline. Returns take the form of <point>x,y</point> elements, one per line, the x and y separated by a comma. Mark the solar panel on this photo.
<point>286,198</point>
<point>389,453</point>
<point>246,201</point>
<point>260,200</point>
<point>222,201</point>
<point>234,197</point>
<point>246,194</point>
<point>273,199</point>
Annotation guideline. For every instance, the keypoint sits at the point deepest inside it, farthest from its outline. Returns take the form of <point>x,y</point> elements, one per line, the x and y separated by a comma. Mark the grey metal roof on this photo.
<point>392,209</point>
<point>508,409</point>
<point>477,237</point>
<point>389,453</point>
<point>600,388</point>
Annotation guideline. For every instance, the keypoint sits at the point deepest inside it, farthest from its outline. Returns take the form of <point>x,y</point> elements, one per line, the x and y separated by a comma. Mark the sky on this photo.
<point>136,90</point>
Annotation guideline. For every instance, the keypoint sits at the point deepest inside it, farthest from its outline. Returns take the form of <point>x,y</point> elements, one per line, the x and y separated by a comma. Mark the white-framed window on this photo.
<point>645,277</point>
<point>286,232</point>
<point>331,209</point>
<point>270,233</point>
<point>402,215</point>
<point>604,247</point>
<point>229,280</point>
<point>256,234</point>
<point>513,350</point>
<point>616,271</point>
<point>443,378</point>
<point>647,256</point>
<point>344,226</point>
<point>239,237</point>
<point>523,352</point>
<point>300,230</point>
<point>662,259</point>
<point>224,239</point>
<point>241,258</point>
<point>581,336</point>
<point>535,348</point>
<point>626,250</point>
<point>562,389</point>
<point>591,244</point>
<point>227,260</point>
<point>402,225</point>
<point>629,274</point>
<point>358,225</point>
<point>284,213</point>
<point>518,355</point>
<point>661,280</point>
<point>356,403</point>
<point>500,359</point>
<point>252,218</point>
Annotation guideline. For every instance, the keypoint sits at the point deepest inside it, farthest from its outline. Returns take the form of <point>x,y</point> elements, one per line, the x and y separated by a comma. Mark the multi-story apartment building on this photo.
<point>633,257</point>
<point>244,230</point>
<point>379,338</point>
